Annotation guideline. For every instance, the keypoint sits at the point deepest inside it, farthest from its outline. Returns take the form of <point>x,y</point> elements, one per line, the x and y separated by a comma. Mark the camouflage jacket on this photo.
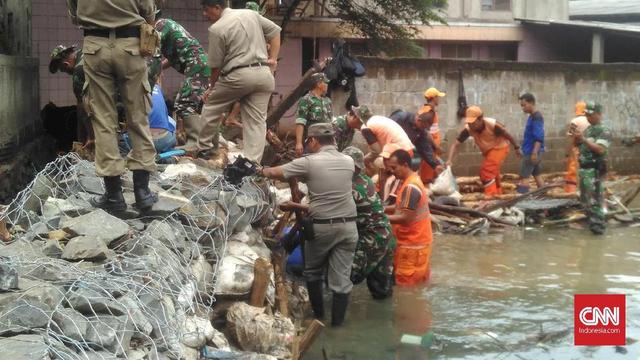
<point>313,110</point>
<point>599,134</point>
<point>371,216</point>
<point>344,134</point>
<point>177,45</point>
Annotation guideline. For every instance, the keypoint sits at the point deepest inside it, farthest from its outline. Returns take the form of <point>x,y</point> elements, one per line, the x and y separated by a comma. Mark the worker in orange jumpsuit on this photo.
<point>579,123</point>
<point>411,223</point>
<point>493,139</point>
<point>432,96</point>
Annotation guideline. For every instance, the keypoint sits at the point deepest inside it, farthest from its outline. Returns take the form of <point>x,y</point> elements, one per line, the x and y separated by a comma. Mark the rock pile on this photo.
<point>79,283</point>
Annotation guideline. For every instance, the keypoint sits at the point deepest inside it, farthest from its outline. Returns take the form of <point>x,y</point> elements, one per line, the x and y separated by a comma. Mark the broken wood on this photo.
<point>515,200</point>
<point>310,336</point>
<point>5,235</point>
<point>631,195</point>
<point>294,95</point>
<point>261,277</point>
<point>458,209</point>
<point>580,217</point>
<point>279,258</point>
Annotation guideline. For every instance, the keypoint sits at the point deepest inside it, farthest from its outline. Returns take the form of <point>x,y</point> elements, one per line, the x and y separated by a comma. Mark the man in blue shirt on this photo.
<point>532,144</point>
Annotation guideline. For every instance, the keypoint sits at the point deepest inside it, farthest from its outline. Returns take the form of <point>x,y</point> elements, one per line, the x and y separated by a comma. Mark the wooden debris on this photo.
<point>279,259</point>
<point>261,277</point>
<point>515,200</point>
<point>58,235</point>
<point>310,336</point>
<point>5,235</point>
<point>463,210</point>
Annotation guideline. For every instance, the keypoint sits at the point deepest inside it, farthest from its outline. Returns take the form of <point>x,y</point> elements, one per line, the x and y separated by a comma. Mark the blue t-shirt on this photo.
<point>533,131</point>
<point>159,116</point>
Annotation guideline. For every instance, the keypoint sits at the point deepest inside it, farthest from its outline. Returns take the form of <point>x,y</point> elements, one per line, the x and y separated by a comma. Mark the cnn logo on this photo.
<point>599,319</point>
<point>593,316</point>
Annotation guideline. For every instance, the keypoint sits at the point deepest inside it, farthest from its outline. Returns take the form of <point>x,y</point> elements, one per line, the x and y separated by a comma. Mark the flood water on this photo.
<point>489,296</point>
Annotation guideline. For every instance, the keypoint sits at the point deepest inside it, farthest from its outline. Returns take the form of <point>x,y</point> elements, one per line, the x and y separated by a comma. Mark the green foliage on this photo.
<point>389,25</point>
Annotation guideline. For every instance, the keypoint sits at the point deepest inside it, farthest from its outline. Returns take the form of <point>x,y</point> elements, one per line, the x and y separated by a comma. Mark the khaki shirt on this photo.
<point>328,174</point>
<point>110,14</point>
<point>238,39</point>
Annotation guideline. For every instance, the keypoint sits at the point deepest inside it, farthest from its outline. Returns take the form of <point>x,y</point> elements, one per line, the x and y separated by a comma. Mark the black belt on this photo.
<point>121,32</point>
<point>334,220</point>
<point>242,67</point>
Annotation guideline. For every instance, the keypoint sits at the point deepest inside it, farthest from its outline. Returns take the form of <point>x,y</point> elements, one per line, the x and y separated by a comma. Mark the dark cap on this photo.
<point>58,54</point>
<point>322,129</point>
<point>319,77</point>
<point>592,108</point>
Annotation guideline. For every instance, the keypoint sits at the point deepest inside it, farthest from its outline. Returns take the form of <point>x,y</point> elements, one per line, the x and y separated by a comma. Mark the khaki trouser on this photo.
<point>333,247</point>
<point>251,86</point>
<point>110,65</point>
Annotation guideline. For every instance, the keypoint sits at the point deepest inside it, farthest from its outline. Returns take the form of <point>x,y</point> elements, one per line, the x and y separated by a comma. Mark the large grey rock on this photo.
<point>22,316</point>
<point>85,247</point>
<point>8,277</point>
<point>72,205</point>
<point>141,324</point>
<point>97,224</point>
<point>89,302</point>
<point>52,248</point>
<point>42,188</point>
<point>110,333</point>
<point>167,233</point>
<point>70,323</point>
<point>91,184</point>
<point>98,355</point>
<point>24,347</point>
<point>168,203</point>
<point>36,291</point>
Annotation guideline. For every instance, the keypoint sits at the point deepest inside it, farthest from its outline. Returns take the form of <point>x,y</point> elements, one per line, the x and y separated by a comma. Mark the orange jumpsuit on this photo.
<point>495,149</point>
<point>427,174</point>
<point>411,259</point>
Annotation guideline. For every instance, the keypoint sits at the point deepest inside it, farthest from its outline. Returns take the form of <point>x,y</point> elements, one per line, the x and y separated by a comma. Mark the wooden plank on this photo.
<point>279,258</point>
<point>261,277</point>
<point>310,336</point>
<point>5,235</point>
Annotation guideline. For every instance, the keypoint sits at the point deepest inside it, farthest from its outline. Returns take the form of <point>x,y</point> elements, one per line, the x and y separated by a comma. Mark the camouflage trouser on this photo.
<point>592,198</point>
<point>190,96</point>
<point>373,261</point>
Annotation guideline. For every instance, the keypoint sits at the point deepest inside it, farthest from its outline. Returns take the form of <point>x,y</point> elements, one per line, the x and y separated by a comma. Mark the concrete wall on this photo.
<point>15,27</point>
<point>495,86</point>
<point>541,9</point>
<point>19,118</point>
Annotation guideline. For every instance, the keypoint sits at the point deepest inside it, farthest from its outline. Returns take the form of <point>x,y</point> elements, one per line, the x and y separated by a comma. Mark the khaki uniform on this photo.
<point>111,64</point>
<point>328,174</point>
<point>237,46</point>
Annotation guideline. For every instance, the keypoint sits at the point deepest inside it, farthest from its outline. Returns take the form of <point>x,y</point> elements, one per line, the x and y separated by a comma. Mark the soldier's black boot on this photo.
<point>316,299</point>
<point>144,197</point>
<point>112,200</point>
<point>339,308</point>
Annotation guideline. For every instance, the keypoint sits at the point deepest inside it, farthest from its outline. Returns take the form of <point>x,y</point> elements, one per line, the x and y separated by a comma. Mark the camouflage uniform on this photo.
<point>591,174</point>
<point>187,56</point>
<point>373,259</point>
<point>313,110</point>
<point>344,134</point>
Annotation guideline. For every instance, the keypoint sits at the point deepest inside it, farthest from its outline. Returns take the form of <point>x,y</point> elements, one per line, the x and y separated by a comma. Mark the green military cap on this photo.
<point>593,107</point>
<point>362,112</point>
<point>58,54</point>
<point>356,154</point>
<point>318,77</point>
<point>322,129</point>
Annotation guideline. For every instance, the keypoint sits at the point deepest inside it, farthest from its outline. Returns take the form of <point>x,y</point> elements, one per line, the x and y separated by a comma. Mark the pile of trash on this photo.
<point>79,283</point>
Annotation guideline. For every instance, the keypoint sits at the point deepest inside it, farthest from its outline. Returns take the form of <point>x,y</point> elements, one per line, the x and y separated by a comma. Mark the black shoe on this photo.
<point>144,197</point>
<point>339,308</point>
<point>316,298</point>
<point>112,200</point>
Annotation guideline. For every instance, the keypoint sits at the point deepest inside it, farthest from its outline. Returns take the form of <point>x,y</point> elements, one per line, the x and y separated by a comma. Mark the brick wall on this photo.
<point>495,86</point>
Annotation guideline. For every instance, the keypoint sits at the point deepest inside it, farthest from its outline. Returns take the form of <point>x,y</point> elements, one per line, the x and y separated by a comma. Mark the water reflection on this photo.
<point>490,297</point>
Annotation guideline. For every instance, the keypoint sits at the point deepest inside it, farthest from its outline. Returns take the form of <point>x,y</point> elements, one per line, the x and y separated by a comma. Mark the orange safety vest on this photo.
<point>417,232</point>
<point>487,139</point>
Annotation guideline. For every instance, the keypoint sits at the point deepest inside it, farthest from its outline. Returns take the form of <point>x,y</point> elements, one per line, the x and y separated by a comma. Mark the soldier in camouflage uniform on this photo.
<point>313,108</point>
<point>184,53</point>
<point>593,145</point>
<point>373,258</point>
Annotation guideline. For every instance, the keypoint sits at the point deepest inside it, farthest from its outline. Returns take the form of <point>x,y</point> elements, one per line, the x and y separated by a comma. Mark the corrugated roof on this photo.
<point>626,29</point>
<point>603,7</point>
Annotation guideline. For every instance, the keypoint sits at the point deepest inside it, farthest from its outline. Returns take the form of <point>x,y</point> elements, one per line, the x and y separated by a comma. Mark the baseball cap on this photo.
<point>425,109</point>
<point>580,108</point>
<point>357,156</point>
<point>58,54</point>
<point>362,112</point>
<point>430,93</point>
<point>318,77</point>
<point>592,108</point>
<point>322,129</point>
<point>472,113</point>
<point>388,150</point>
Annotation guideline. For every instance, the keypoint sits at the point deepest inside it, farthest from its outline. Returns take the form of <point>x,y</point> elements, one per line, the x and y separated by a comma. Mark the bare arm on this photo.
<point>403,217</point>
<point>274,50</point>
<point>299,141</point>
<point>453,152</point>
<point>273,173</point>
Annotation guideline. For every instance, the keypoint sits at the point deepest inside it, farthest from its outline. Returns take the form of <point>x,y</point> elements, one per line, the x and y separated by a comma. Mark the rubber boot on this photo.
<point>192,129</point>
<point>316,299</point>
<point>339,308</point>
<point>144,197</point>
<point>112,200</point>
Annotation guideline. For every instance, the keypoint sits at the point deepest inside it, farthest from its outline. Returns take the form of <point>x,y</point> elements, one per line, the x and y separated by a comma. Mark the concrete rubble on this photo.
<point>79,283</point>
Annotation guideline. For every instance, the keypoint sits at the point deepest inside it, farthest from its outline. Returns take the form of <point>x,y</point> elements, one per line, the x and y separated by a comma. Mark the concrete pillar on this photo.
<point>597,48</point>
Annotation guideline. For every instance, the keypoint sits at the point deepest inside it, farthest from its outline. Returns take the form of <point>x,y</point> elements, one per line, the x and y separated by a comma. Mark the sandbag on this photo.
<point>445,183</point>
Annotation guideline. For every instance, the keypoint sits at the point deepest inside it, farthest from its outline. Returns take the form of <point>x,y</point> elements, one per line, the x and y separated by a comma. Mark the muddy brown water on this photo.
<point>489,296</point>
